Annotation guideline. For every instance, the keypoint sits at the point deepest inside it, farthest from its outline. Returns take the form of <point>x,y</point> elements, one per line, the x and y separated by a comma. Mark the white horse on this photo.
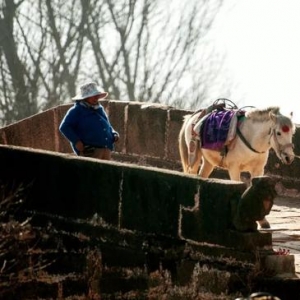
<point>247,150</point>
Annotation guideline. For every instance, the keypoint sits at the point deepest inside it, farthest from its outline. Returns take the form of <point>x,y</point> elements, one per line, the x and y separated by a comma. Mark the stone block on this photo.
<point>152,198</point>
<point>117,112</point>
<point>62,144</point>
<point>41,138</point>
<point>211,220</point>
<point>146,127</point>
<point>64,185</point>
<point>283,265</point>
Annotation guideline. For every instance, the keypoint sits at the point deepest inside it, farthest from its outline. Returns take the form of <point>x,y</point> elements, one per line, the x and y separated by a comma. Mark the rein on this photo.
<point>239,133</point>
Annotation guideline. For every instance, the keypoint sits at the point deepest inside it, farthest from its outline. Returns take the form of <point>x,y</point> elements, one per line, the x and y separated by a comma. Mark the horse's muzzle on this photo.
<point>286,153</point>
<point>287,159</point>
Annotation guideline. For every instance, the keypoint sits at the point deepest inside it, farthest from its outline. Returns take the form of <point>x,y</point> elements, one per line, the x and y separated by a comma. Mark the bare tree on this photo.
<point>16,100</point>
<point>152,47</point>
<point>138,50</point>
<point>67,31</point>
<point>40,53</point>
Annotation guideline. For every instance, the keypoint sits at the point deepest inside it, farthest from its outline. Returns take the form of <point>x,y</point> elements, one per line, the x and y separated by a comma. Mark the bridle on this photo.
<point>279,149</point>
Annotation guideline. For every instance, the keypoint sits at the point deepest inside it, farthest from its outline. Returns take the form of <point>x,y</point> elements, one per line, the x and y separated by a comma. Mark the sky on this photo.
<point>261,43</point>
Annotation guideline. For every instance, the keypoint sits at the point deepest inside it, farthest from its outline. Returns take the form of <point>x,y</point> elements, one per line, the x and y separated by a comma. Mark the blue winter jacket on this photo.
<point>89,125</point>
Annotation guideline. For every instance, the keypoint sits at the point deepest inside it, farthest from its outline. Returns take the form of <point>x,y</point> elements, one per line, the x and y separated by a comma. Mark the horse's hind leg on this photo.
<point>183,150</point>
<point>194,168</point>
<point>206,169</point>
<point>190,161</point>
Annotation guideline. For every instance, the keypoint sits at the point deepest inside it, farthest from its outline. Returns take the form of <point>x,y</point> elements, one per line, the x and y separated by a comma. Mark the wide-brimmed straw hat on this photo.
<point>90,89</point>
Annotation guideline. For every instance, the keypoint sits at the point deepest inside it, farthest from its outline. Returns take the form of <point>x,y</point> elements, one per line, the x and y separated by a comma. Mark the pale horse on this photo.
<point>256,133</point>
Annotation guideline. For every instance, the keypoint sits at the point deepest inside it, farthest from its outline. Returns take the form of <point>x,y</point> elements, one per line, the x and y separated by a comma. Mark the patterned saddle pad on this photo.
<point>215,128</point>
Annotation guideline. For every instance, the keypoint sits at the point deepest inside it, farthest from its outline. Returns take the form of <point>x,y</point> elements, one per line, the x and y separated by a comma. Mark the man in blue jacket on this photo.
<point>87,126</point>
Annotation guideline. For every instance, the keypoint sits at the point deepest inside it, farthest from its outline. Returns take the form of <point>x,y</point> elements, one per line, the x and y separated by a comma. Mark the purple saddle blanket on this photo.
<point>214,130</point>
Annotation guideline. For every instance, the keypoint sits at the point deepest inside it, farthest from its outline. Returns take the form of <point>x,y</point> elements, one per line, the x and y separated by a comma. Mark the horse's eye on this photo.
<point>278,133</point>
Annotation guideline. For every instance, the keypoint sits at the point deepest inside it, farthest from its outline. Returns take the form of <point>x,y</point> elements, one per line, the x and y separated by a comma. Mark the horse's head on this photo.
<point>282,133</point>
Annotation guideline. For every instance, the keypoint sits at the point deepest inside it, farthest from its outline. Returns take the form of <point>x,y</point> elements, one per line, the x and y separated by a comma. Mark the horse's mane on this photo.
<point>263,115</point>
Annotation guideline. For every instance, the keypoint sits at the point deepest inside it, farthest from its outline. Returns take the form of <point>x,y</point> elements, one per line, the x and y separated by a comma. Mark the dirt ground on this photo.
<point>284,219</point>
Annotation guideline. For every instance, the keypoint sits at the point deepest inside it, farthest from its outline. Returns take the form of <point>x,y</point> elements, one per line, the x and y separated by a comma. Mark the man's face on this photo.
<point>93,100</point>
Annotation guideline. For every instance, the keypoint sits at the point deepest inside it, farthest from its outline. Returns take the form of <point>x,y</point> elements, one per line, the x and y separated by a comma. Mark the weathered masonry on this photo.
<point>140,209</point>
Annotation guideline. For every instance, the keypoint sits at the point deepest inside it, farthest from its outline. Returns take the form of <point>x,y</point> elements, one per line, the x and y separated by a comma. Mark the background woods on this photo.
<point>138,50</point>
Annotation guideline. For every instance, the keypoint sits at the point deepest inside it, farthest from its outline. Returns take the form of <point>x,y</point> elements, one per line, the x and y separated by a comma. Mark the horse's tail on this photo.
<point>183,150</point>
<point>188,149</point>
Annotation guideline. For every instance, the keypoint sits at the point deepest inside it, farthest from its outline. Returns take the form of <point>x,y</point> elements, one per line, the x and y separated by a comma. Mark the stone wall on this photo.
<point>75,194</point>
<point>145,199</point>
<point>148,136</point>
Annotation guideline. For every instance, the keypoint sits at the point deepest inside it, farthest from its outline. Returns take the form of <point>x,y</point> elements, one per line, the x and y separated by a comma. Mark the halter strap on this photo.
<point>239,133</point>
<point>280,148</point>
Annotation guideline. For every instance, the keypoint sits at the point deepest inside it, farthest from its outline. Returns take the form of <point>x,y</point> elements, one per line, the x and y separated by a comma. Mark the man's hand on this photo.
<point>79,146</point>
<point>116,136</point>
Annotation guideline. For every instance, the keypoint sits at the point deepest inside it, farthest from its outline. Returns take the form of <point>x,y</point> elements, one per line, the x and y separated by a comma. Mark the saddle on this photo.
<point>215,128</point>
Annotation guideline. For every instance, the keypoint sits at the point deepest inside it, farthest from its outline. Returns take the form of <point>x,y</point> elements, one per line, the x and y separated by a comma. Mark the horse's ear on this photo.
<point>291,114</point>
<point>273,116</point>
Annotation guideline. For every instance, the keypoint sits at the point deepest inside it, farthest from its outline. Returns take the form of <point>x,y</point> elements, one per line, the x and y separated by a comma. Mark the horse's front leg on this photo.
<point>257,172</point>
<point>264,223</point>
<point>234,173</point>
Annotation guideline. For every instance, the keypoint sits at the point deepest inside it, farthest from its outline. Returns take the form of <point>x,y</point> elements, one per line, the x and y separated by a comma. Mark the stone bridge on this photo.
<point>142,190</point>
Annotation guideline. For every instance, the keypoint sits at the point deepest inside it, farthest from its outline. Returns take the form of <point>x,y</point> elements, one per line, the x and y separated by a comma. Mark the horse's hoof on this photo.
<point>264,225</point>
